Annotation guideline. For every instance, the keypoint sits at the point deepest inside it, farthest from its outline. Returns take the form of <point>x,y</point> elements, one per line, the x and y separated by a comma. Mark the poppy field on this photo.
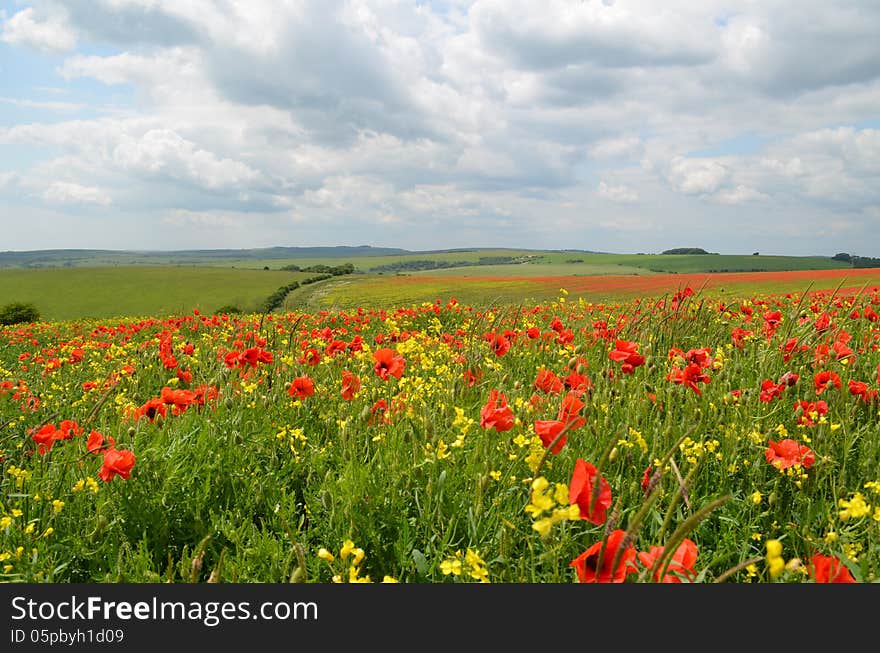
<point>683,437</point>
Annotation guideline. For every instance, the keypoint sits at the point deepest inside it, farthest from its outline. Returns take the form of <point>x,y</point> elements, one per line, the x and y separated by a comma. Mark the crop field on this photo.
<point>676,437</point>
<point>470,286</point>
<point>103,292</point>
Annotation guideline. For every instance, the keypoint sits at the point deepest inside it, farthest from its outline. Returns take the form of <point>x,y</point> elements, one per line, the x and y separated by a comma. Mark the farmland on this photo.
<point>676,437</point>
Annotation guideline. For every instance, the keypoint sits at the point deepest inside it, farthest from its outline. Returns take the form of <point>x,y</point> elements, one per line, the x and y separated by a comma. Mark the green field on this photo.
<point>365,259</point>
<point>72,284</point>
<point>101,292</point>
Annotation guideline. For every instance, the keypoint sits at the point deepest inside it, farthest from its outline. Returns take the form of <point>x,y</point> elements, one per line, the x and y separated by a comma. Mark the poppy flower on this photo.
<point>301,387</point>
<point>45,438</point>
<point>788,453</point>
<point>388,363</point>
<point>584,479</point>
<point>472,378</point>
<point>591,569</point>
<point>350,385</point>
<point>861,389</point>
<point>179,400</point>
<point>569,409</point>
<point>496,413</point>
<point>548,382</point>
<point>625,352</point>
<point>151,409</point>
<point>829,569</point>
<point>116,463</point>
<point>311,357</point>
<point>67,429</point>
<point>548,430</point>
<point>499,343</point>
<point>689,376</point>
<point>681,563</point>
<point>96,442</point>
<point>823,379</point>
<point>810,411</point>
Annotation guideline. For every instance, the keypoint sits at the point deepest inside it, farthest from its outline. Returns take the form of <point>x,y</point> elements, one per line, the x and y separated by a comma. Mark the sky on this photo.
<point>616,126</point>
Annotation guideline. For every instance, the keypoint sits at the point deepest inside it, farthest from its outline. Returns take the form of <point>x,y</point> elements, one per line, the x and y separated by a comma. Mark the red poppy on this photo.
<point>861,389</point>
<point>681,563</point>
<point>472,378</point>
<point>625,352</point>
<point>180,400</point>
<point>842,350</point>
<point>822,380</point>
<point>548,430</point>
<point>646,479</point>
<point>310,357</point>
<point>770,390</point>
<point>584,479</point>
<point>499,343</point>
<point>809,410</point>
<point>301,387</point>
<point>496,413</point>
<point>787,453</point>
<point>699,356</point>
<point>591,569</point>
<point>388,363</point>
<point>97,440</point>
<point>350,385</point>
<point>151,409</point>
<point>829,569</point>
<point>688,377</point>
<point>116,463</point>
<point>548,382</point>
<point>45,438</point>
<point>67,429</point>
<point>569,409</point>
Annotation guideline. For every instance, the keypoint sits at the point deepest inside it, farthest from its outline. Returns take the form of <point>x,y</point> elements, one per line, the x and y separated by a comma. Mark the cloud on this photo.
<point>46,30</point>
<point>62,192</point>
<point>445,123</point>
<point>617,193</point>
<point>695,176</point>
<point>739,195</point>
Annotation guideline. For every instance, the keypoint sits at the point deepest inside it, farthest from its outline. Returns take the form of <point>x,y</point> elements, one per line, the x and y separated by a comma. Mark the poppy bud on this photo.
<point>572,363</point>
<point>517,385</point>
<point>580,349</point>
<point>228,403</point>
<point>298,575</point>
<point>131,431</point>
<point>484,482</point>
<point>773,498</point>
<point>613,455</point>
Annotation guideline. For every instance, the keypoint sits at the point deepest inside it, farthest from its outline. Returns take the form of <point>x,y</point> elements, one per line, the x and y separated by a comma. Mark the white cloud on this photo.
<point>45,31</point>
<point>695,176</point>
<point>617,193</point>
<point>63,192</point>
<point>739,195</point>
<point>616,148</point>
<point>469,120</point>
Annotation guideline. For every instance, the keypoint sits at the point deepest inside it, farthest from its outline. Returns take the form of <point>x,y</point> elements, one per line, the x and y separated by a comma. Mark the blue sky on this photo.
<point>617,126</point>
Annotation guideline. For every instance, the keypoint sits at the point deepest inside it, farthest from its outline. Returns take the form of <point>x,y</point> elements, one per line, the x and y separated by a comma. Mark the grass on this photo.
<point>418,288</point>
<point>74,293</point>
<point>434,466</point>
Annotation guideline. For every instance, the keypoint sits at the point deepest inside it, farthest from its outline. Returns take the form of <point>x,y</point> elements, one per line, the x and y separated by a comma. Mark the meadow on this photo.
<point>118,291</point>
<point>679,436</point>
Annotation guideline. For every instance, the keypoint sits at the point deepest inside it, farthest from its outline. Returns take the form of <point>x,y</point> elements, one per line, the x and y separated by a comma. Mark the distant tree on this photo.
<point>842,256</point>
<point>686,250</point>
<point>756,253</point>
<point>18,313</point>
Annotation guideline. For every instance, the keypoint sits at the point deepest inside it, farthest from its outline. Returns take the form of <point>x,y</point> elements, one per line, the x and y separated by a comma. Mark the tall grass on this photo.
<point>404,480</point>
